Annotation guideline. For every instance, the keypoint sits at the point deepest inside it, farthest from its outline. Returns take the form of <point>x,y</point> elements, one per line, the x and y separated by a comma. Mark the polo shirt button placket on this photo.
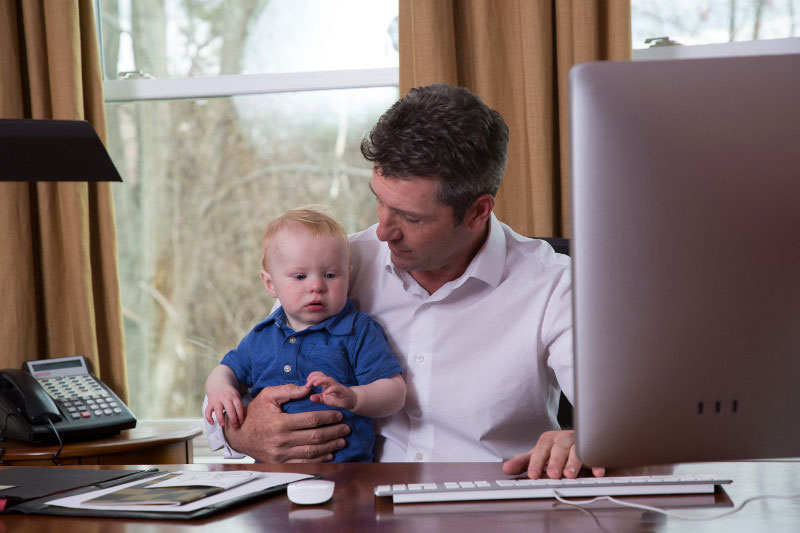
<point>287,367</point>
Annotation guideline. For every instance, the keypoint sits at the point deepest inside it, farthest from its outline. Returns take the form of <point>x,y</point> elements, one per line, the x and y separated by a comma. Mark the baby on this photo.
<point>316,339</point>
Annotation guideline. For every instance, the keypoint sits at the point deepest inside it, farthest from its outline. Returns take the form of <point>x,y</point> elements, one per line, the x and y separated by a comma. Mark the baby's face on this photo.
<point>309,274</point>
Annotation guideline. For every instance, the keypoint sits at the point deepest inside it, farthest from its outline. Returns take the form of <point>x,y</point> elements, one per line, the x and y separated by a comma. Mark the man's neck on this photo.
<point>433,280</point>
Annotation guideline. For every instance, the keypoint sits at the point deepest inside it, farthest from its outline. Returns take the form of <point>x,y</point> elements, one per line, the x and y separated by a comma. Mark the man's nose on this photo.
<point>387,227</point>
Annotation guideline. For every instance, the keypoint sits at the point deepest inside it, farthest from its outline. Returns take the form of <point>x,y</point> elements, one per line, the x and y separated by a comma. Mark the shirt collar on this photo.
<point>342,323</point>
<point>490,261</point>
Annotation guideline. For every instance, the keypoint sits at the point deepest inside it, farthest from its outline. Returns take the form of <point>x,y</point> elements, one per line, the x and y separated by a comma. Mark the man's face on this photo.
<point>309,274</point>
<point>418,228</point>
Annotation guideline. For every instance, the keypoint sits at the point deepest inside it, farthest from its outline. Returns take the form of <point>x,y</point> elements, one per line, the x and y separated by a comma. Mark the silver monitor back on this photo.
<point>686,247</point>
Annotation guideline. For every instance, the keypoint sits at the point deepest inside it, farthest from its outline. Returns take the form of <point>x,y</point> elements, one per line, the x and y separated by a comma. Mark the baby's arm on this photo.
<point>222,389</point>
<point>380,398</point>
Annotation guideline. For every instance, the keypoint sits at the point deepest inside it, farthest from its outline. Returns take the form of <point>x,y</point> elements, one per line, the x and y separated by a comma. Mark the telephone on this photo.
<point>57,400</point>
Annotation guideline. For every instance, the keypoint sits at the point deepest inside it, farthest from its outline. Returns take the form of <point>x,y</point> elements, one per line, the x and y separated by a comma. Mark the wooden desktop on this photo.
<point>354,508</point>
<point>150,442</point>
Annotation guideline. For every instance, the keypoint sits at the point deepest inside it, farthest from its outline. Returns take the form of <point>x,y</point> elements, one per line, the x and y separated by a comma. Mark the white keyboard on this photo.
<point>508,489</point>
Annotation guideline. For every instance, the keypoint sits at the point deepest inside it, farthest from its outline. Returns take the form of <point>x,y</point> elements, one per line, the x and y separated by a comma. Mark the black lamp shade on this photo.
<point>53,150</point>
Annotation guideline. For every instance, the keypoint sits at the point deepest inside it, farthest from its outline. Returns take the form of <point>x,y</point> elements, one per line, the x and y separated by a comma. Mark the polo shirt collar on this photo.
<point>341,323</point>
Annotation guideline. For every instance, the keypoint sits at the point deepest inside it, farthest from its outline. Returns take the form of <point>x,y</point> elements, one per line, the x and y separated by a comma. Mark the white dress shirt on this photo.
<point>484,358</point>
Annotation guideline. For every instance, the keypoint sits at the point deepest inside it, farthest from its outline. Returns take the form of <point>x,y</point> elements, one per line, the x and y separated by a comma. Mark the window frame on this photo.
<point>139,89</point>
<point>785,45</point>
<point>142,89</point>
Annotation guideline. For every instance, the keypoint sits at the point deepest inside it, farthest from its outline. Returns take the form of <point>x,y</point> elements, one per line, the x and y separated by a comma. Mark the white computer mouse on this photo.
<point>310,491</point>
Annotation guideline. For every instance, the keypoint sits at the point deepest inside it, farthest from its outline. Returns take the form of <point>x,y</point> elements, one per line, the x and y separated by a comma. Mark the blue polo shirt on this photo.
<point>349,347</point>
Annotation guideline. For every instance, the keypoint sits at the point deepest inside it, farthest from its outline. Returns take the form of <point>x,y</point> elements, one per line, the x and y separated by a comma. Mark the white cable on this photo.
<point>673,514</point>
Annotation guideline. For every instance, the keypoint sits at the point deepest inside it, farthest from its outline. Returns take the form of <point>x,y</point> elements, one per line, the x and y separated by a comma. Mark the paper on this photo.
<point>175,489</point>
<point>224,480</point>
<point>265,481</point>
<point>147,493</point>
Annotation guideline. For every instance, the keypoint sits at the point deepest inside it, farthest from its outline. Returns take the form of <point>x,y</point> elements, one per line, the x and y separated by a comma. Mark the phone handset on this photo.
<point>28,396</point>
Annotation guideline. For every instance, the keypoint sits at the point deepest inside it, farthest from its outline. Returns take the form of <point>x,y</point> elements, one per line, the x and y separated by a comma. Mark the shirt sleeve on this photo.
<point>372,358</point>
<point>558,334</point>
<point>238,360</point>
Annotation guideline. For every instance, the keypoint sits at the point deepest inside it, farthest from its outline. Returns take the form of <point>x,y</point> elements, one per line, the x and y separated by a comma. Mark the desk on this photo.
<point>354,508</point>
<point>153,442</point>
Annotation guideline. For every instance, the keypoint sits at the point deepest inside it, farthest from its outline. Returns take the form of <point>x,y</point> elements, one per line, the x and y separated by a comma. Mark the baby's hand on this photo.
<point>225,401</point>
<point>333,393</point>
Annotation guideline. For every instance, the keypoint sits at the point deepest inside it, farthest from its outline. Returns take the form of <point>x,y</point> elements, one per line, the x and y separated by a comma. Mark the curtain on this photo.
<point>58,266</point>
<point>516,55</point>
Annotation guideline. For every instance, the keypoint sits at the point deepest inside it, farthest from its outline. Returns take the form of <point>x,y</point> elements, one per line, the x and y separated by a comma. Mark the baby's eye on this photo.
<point>299,277</point>
<point>331,275</point>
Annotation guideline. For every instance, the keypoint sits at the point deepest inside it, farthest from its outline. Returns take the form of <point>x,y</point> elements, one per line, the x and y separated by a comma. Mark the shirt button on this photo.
<point>292,340</point>
<point>419,456</point>
<point>419,358</point>
<point>417,413</point>
<point>287,368</point>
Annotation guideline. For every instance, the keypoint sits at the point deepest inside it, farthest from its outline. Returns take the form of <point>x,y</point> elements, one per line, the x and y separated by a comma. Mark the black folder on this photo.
<point>27,483</point>
<point>59,482</point>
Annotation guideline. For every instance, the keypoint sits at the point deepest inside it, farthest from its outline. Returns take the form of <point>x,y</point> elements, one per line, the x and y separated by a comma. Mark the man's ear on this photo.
<point>479,213</point>
<point>266,279</point>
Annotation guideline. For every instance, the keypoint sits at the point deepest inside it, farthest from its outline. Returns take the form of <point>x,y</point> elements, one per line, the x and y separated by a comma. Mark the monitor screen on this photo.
<point>686,250</point>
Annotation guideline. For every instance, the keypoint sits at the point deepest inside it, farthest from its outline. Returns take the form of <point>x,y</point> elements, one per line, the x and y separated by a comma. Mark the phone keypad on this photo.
<point>81,396</point>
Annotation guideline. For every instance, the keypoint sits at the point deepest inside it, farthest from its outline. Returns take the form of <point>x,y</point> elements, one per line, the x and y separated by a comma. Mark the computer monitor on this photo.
<point>686,248</point>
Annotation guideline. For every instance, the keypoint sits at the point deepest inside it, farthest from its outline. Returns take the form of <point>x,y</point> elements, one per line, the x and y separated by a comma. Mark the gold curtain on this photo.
<point>516,55</point>
<point>58,263</point>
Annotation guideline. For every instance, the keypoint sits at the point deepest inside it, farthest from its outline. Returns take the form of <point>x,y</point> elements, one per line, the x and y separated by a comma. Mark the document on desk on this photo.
<point>178,491</point>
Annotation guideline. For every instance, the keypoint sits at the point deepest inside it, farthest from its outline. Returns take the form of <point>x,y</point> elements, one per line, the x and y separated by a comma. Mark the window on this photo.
<point>713,21</point>
<point>221,115</point>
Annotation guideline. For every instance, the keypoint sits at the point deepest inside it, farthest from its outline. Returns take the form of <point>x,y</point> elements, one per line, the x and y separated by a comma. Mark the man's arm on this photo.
<point>269,435</point>
<point>554,454</point>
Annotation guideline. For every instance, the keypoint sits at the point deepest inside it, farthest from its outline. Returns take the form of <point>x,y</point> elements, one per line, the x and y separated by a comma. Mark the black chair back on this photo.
<point>561,246</point>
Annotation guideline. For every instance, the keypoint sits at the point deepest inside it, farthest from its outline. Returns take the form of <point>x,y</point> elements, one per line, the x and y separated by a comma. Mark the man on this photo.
<point>478,316</point>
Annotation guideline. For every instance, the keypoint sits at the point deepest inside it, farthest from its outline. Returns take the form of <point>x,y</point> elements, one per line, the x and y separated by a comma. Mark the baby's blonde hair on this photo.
<point>311,218</point>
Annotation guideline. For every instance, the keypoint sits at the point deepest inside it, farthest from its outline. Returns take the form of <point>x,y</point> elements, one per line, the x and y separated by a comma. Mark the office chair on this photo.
<point>564,416</point>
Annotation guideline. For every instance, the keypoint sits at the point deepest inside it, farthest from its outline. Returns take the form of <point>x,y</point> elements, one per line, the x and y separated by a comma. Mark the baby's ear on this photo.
<point>266,279</point>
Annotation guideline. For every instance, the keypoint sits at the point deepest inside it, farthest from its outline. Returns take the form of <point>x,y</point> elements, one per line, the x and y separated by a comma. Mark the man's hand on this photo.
<point>271,436</point>
<point>555,451</point>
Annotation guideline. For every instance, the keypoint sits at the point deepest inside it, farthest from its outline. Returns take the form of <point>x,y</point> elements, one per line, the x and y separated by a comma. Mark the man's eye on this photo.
<point>411,220</point>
